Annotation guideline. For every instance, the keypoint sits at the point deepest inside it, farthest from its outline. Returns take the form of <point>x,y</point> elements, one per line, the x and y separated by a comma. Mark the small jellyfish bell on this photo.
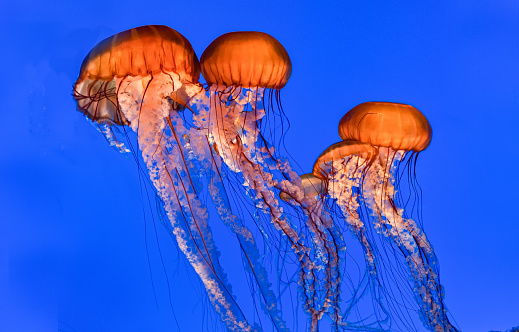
<point>312,186</point>
<point>399,132</point>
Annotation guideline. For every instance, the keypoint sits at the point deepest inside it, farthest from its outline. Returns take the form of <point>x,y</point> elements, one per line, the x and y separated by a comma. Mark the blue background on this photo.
<point>72,217</point>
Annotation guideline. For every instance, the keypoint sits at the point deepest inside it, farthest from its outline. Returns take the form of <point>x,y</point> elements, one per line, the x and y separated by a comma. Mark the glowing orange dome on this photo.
<point>246,59</point>
<point>139,52</point>
<point>384,124</point>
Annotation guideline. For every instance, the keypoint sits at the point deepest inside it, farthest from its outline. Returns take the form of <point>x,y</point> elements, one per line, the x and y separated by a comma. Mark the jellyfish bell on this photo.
<point>246,59</point>
<point>398,131</point>
<point>341,167</point>
<point>385,124</point>
<point>138,53</point>
<point>312,186</point>
<point>338,152</point>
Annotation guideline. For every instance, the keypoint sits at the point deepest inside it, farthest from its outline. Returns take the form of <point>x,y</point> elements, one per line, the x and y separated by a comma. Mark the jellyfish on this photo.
<point>312,186</point>
<point>221,142</point>
<point>245,72</point>
<point>341,167</point>
<point>143,78</point>
<point>365,173</point>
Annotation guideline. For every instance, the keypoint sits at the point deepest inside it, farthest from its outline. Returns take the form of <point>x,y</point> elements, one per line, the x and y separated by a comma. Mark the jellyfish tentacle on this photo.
<point>255,167</point>
<point>200,149</point>
<point>325,238</point>
<point>148,111</point>
<point>341,167</point>
<point>235,133</point>
<point>410,239</point>
<point>345,175</point>
<point>251,255</point>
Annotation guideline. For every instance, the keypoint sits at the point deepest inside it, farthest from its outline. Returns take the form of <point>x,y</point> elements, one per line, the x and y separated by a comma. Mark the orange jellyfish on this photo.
<point>341,167</point>
<point>398,132</point>
<point>143,78</point>
<point>245,72</point>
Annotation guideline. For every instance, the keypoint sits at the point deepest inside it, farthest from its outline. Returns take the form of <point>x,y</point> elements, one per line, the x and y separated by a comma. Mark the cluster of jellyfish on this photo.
<point>215,144</point>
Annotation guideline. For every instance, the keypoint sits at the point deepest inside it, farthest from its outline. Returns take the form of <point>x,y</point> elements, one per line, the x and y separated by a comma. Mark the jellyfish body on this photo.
<point>397,132</point>
<point>141,78</point>
<point>245,72</point>
<point>341,167</point>
<point>312,186</point>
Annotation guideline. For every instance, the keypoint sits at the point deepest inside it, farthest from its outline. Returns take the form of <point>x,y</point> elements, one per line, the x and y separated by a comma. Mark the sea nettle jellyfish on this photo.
<point>341,167</point>
<point>365,173</point>
<point>245,72</point>
<point>143,78</point>
<point>312,186</point>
